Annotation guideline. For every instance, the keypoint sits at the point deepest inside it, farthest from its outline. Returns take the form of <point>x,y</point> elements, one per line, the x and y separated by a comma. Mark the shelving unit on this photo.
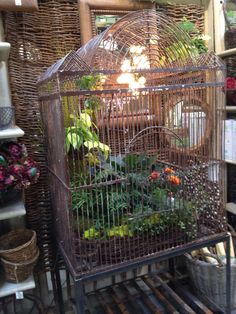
<point>230,207</point>
<point>231,108</point>
<point>12,132</point>
<point>233,162</point>
<point>14,208</point>
<point>8,288</point>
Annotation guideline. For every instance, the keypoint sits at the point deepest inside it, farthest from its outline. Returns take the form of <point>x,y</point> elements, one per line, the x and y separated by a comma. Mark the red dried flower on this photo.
<point>16,169</point>
<point>154,175</point>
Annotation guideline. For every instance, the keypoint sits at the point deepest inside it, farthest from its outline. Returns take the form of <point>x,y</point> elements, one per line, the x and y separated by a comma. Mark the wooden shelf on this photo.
<point>230,108</point>
<point>227,53</point>
<point>11,132</point>
<point>12,209</point>
<point>231,207</point>
<point>4,51</point>
<point>8,288</point>
<point>233,162</point>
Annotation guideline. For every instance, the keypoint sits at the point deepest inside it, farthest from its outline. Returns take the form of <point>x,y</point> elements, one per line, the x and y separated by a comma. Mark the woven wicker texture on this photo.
<point>18,272</point>
<point>18,245</point>
<point>192,12</point>
<point>38,40</point>
<point>209,280</point>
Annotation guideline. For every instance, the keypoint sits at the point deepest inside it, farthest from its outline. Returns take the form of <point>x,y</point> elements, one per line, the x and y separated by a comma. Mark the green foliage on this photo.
<point>143,203</point>
<point>159,222</point>
<point>82,131</point>
<point>230,18</point>
<point>134,162</point>
<point>160,196</point>
<point>89,82</point>
<point>199,44</point>
<point>92,103</point>
<point>91,233</point>
<point>120,231</point>
<point>197,41</point>
<point>187,26</point>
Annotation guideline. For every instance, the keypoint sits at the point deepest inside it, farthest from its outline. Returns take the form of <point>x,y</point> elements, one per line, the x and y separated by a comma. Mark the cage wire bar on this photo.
<point>133,123</point>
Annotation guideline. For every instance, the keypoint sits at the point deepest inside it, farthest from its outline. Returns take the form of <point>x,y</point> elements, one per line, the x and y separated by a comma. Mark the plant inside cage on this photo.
<point>133,132</point>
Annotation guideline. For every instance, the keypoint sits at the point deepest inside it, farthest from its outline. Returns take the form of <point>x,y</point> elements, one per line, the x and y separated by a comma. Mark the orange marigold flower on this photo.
<point>169,170</point>
<point>174,180</point>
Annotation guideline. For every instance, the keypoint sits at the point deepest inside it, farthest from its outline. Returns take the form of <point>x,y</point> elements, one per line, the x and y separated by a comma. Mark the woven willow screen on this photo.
<point>133,122</point>
<point>36,42</point>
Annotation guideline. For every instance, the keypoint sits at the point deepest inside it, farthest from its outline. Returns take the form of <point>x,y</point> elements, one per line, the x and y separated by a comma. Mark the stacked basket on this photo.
<point>19,254</point>
<point>6,117</point>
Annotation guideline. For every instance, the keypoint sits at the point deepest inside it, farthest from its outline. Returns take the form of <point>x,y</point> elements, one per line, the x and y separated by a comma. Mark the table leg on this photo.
<point>228,276</point>
<point>80,297</point>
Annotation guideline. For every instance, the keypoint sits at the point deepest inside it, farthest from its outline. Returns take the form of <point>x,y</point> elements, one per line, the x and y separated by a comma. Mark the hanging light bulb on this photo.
<point>142,81</point>
<point>125,78</point>
<point>134,85</point>
<point>126,65</point>
<point>141,62</point>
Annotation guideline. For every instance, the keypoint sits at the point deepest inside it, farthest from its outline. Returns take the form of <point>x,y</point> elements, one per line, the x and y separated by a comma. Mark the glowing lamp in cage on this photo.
<point>142,81</point>
<point>126,78</point>
<point>141,62</point>
<point>126,65</point>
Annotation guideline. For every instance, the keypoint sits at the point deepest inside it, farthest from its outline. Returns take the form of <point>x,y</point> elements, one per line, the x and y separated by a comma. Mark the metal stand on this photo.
<point>228,275</point>
<point>80,297</point>
<point>80,281</point>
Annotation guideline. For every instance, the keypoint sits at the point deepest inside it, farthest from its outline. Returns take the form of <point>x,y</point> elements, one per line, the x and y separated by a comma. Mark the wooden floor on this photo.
<point>149,294</point>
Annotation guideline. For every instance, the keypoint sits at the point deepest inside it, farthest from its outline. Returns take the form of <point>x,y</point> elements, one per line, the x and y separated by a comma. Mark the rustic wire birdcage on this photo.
<point>133,125</point>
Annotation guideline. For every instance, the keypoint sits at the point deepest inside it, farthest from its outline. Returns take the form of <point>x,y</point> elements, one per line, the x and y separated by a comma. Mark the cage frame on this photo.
<point>57,74</point>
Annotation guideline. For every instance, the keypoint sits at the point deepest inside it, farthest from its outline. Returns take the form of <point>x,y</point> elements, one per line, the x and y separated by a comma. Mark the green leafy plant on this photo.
<point>197,41</point>
<point>82,132</point>
<point>89,82</point>
<point>150,200</point>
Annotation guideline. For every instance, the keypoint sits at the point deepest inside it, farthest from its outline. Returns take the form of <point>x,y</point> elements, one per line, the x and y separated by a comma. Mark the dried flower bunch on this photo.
<point>17,169</point>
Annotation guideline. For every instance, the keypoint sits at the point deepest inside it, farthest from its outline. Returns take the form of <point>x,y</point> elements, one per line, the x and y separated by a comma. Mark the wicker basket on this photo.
<point>210,280</point>
<point>18,245</point>
<point>6,117</point>
<point>18,272</point>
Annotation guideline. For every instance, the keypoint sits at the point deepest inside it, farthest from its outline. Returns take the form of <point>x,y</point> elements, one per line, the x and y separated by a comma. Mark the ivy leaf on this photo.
<point>90,144</point>
<point>67,144</point>
<point>86,119</point>
<point>74,139</point>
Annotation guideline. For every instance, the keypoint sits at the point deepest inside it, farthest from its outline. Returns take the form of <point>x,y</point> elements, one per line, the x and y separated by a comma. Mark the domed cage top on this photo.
<point>134,128</point>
